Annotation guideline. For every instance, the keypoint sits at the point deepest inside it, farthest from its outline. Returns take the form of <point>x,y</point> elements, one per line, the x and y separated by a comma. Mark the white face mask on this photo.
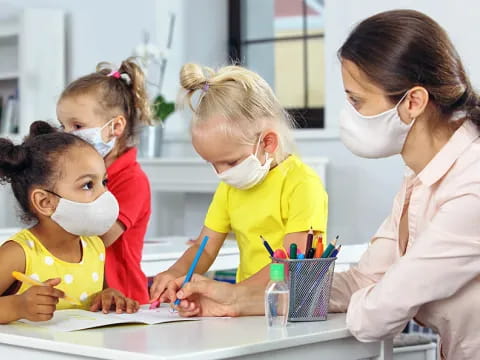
<point>94,137</point>
<point>375,136</point>
<point>86,219</point>
<point>248,173</point>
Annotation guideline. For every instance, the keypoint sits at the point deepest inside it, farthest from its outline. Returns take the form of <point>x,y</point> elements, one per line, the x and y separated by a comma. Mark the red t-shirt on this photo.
<point>129,184</point>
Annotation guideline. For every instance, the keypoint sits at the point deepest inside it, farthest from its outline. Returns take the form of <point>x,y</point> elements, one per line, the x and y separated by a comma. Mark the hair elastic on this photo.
<point>115,74</point>
<point>205,87</point>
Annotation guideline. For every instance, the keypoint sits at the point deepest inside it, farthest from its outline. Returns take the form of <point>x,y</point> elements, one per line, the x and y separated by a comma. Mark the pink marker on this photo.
<point>280,254</point>
<point>154,305</point>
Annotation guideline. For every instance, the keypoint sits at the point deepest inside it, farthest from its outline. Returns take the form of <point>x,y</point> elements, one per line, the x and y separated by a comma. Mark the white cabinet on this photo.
<point>32,65</point>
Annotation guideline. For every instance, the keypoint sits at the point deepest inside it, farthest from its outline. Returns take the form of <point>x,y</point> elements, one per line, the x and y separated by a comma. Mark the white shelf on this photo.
<point>26,67</point>
<point>11,75</point>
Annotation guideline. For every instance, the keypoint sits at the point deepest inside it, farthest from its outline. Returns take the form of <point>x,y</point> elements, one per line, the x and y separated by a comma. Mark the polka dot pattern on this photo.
<point>79,279</point>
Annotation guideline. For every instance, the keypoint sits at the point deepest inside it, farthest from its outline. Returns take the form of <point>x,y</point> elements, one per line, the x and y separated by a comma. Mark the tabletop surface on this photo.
<point>206,339</point>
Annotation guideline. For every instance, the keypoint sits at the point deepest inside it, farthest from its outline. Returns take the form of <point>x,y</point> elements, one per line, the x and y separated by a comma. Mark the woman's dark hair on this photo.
<point>401,49</point>
<point>117,90</point>
<point>35,162</point>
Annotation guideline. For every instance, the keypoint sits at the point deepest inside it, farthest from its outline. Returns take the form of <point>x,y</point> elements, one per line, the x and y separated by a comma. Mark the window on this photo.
<point>283,41</point>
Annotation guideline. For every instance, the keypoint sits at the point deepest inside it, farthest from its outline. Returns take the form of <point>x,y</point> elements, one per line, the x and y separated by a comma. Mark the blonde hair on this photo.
<point>243,99</point>
<point>124,92</point>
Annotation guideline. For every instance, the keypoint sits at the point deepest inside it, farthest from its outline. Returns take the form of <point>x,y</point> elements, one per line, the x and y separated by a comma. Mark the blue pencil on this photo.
<point>335,252</point>
<point>193,266</point>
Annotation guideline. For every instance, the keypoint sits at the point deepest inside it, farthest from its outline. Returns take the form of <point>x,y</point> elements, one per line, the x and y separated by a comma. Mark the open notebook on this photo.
<point>71,320</point>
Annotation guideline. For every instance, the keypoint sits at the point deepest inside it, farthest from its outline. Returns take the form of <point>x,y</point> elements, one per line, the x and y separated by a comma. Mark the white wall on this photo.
<point>105,30</point>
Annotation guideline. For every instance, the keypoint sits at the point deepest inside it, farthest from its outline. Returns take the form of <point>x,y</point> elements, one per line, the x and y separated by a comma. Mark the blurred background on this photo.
<point>44,44</point>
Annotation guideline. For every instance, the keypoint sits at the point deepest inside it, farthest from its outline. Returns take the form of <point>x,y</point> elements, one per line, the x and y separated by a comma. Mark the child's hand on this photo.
<point>163,287</point>
<point>39,303</point>
<point>110,299</point>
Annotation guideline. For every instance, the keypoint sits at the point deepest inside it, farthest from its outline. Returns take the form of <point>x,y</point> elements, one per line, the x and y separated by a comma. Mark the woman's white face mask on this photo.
<point>375,136</point>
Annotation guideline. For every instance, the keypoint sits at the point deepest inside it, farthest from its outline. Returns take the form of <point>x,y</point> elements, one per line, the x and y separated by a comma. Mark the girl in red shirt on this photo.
<point>106,108</point>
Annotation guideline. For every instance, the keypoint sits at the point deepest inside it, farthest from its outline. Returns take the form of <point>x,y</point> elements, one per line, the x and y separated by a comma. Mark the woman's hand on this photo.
<point>111,299</point>
<point>205,297</point>
<point>38,303</point>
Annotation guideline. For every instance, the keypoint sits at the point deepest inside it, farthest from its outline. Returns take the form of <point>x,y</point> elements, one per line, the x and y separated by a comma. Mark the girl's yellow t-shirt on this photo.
<point>290,199</point>
<point>79,280</point>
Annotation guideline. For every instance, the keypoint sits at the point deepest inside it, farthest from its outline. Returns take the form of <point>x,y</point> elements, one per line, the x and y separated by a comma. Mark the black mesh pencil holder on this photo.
<point>310,282</point>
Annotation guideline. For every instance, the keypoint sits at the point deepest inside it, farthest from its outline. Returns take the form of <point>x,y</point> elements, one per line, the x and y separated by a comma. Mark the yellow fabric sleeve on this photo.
<point>217,218</point>
<point>307,210</point>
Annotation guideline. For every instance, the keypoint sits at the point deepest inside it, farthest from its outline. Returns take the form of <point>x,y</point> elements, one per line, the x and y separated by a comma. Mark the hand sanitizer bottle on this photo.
<point>276,297</point>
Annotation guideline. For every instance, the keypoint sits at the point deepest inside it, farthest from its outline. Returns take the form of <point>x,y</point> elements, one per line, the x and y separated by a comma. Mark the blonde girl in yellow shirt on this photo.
<point>59,182</point>
<point>239,127</point>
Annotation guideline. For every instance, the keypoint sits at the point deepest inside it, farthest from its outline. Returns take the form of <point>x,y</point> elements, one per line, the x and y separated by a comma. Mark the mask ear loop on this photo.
<point>53,193</point>
<point>106,124</point>
<point>258,146</point>
<point>398,104</point>
<point>113,127</point>
<point>403,98</point>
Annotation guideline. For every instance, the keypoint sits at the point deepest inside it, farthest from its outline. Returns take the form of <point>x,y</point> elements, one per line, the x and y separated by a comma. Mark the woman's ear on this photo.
<point>270,141</point>
<point>118,125</point>
<point>416,101</point>
<point>43,202</point>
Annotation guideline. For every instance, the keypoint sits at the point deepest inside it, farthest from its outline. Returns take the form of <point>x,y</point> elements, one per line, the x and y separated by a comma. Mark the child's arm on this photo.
<point>164,279</point>
<point>113,234</point>
<point>38,303</point>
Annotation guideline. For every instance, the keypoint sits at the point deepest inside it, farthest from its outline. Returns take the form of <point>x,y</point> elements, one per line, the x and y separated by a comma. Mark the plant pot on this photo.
<point>151,141</point>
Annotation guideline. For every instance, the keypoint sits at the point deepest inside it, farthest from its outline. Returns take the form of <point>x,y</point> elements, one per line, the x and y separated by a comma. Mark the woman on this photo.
<point>407,94</point>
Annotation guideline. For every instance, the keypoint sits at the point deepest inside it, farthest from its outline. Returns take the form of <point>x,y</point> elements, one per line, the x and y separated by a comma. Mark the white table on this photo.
<point>161,253</point>
<point>245,338</point>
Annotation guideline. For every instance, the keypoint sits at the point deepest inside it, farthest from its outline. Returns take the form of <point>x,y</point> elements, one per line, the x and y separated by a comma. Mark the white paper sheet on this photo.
<point>74,319</point>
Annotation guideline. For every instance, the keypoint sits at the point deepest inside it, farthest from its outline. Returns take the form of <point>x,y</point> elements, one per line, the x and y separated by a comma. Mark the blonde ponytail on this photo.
<point>243,98</point>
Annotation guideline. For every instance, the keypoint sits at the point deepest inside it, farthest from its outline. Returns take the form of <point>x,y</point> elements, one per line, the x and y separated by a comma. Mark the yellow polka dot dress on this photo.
<point>79,280</point>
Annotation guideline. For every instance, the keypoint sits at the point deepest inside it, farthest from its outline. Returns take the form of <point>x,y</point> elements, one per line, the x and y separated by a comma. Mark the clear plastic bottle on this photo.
<point>276,297</point>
